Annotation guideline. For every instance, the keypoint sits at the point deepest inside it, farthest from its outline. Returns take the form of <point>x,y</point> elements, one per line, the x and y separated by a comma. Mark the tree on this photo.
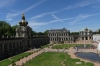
<point>74,33</point>
<point>33,33</point>
<point>14,29</point>
<point>46,32</point>
<point>5,29</point>
<point>97,32</point>
<point>40,33</point>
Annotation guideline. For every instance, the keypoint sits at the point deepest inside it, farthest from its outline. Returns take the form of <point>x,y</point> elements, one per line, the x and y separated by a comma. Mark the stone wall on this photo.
<point>13,46</point>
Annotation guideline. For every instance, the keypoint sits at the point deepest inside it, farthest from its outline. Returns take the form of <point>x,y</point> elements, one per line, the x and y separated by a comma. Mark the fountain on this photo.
<point>90,55</point>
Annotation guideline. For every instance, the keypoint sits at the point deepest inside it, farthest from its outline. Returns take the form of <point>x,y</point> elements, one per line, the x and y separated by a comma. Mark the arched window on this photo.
<point>82,38</point>
<point>53,39</point>
<point>90,37</point>
<point>66,39</point>
<point>86,38</point>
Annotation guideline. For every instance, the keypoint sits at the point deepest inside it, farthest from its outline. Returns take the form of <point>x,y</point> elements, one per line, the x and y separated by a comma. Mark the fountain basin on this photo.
<point>89,56</point>
<point>87,47</point>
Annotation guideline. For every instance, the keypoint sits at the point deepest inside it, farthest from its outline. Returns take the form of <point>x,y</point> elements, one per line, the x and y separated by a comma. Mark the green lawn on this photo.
<point>72,62</point>
<point>54,59</point>
<point>22,55</point>
<point>66,46</point>
<point>6,62</point>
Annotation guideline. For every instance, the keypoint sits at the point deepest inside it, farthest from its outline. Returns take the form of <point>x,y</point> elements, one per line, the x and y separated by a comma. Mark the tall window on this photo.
<point>66,39</point>
<point>86,38</point>
<point>90,37</point>
<point>82,38</point>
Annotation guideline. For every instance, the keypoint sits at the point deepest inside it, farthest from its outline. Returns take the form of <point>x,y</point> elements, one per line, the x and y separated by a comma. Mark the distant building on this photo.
<point>60,36</point>
<point>85,35</point>
<point>96,37</point>
<point>63,36</point>
<point>97,30</point>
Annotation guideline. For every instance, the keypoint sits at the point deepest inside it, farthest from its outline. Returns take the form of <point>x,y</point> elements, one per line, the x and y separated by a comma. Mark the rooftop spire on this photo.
<point>23,17</point>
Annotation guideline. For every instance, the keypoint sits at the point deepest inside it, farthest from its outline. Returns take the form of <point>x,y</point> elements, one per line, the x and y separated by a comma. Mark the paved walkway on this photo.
<point>71,52</point>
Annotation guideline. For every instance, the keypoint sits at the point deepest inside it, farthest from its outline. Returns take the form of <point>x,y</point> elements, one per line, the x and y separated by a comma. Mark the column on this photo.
<point>67,34</point>
<point>84,38</point>
<point>88,38</point>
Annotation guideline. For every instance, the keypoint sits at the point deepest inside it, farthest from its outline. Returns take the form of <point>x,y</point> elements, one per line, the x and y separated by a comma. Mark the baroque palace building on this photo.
<point>22,42</point>
<point>60,36</point>
<point>85,35</point>
<point>63,36</point>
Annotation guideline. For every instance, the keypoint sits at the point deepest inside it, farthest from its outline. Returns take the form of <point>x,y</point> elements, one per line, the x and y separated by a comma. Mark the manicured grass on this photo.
<point>72,62</point>
<point>67,46</point>
<point>13,59</point>
<point>55,59</point>
<point>47,59</point>
<point>5,62</point>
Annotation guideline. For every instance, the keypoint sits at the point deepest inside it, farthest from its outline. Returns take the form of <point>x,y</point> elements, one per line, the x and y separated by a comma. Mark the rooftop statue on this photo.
<point>98,47</point>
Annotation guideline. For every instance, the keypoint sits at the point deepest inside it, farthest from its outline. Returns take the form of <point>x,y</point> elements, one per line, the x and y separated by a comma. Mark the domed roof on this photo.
<point>85,30</point>
<point>23,22</point>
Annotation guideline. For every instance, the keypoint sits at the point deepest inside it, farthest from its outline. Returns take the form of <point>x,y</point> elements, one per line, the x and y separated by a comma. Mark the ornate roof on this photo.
<point>59,30</point>
<point>23,22</point>
<point>86,30</point>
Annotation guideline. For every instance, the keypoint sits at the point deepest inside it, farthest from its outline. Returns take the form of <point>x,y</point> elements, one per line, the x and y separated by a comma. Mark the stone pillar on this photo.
<point>50,39</point>
<point>49,34</point>
<point>67,34</point>
<point>84,33</point>
<point>88,38</point>
<point>61,38</point>
<point>56,34</point>
<point>17,34</point>
<point>84,38</point>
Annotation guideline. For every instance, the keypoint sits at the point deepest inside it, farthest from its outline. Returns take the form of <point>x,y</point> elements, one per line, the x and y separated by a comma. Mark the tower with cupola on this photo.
<point>23,30</point>
<point>86,34</point>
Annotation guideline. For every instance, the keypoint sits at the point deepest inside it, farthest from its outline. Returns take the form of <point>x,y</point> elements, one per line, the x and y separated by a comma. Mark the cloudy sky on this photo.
<point>42,15</point>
